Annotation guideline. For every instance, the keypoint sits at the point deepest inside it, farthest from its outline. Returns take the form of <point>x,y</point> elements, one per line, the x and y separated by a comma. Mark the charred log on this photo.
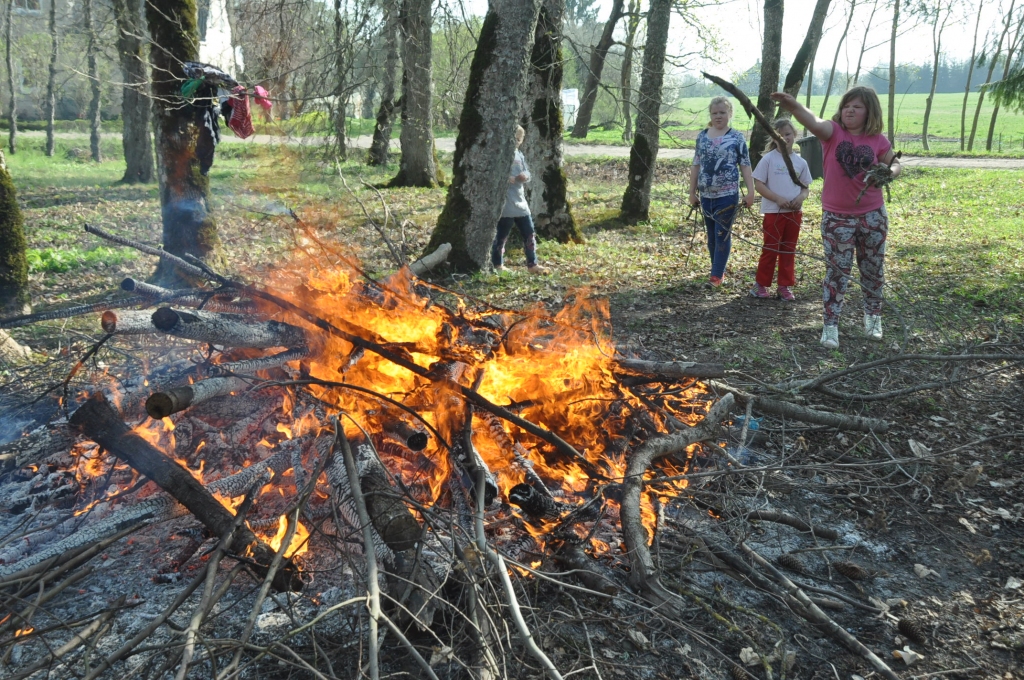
<point>587,570</point>
<point>162,404</point>
<point>97,420</point>
<point>228,329</point>
<point>673,369</point>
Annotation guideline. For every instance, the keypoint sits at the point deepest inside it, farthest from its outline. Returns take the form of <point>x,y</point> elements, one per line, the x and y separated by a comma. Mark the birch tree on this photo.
<point>940,12</point>
<point>51,80</point>
<point>485,145</point>
<point>636,202</point>
<point>597,59</point>
<point>970,75</point>
<point>542,120</point>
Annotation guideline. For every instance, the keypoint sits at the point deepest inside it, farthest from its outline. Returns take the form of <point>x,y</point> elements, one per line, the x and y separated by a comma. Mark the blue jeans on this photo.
<point>718,217</point>
<point>525,224</point>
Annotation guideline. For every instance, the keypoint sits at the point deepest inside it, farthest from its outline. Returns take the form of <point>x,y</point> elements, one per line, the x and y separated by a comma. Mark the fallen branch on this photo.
<point>802,413</point>
<point>162,404</point>
<point>183,266</point>
<point>752,110</point>
<point>431,260</point>
<point>792,521</point>
<point>673,369</point>
<point>228,329</point>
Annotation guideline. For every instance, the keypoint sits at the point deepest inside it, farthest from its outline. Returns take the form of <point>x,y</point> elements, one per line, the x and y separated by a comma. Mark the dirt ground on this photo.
<point>928,558</point>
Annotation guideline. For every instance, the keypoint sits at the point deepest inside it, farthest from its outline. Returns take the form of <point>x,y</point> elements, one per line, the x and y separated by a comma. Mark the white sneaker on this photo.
<point>873,326</point>
<point>830,336</point>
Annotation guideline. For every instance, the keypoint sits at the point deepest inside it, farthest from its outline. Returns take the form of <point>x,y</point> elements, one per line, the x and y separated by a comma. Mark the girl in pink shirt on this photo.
<point>854,220</point>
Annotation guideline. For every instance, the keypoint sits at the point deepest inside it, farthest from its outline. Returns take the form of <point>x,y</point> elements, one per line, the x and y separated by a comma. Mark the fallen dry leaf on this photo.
<point>968,525</point>
<point>923,571</point>
<point>909,656</point>
<point>749,657</point>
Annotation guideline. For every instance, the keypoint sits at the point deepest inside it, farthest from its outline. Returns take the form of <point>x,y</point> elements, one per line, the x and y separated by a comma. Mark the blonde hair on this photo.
<point>520,133</point>
<point>720,100</point>
<point>873,124</point>
<point>779,125</point>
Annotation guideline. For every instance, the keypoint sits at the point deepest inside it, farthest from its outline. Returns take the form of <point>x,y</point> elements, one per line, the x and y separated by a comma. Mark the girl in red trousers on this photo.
<point>781,200</point>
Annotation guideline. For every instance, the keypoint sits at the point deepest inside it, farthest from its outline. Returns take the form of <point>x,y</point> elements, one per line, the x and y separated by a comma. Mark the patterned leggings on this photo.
<point>843,236</point>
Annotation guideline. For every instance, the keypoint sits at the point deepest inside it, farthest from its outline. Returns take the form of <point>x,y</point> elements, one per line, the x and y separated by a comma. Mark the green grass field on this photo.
<point>690,115</point>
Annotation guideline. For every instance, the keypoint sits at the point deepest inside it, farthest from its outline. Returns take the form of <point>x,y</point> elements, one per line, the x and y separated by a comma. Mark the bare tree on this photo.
<point>1011,50</point>
<point>380,146</point>
<point>180,127</point>
<point>92,47</point>
<point>863,45</point>
<point>771,56</point>
<point>542,120</point>
<point>626,76</point>
<point>808,48</point>
<point>892,72</point>
<point>940,13</point>
<point>970,75</point>
<point>418,165</point>
<point>51,80</point>
<point>12,112</point>
<point>993,61</point>
<point>835,58</point>
<point>597,60</point>
<point>14,296</point>
<point>486,141</point>
<point>636,201</point>
<point>136,136</point>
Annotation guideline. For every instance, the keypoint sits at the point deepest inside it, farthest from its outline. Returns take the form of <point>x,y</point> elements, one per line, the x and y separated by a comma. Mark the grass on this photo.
<point>954,265</point>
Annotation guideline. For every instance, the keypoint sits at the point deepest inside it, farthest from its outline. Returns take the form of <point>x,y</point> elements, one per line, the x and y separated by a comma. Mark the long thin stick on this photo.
<point>181,264</point>
<point>756,113</point>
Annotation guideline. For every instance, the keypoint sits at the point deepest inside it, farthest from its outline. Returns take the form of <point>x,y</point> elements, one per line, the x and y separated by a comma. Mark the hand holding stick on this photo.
<point>879,174</point>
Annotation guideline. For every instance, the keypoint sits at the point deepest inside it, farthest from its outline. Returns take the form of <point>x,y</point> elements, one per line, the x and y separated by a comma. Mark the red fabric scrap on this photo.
<point>263,98</point>
<point>241,119</point>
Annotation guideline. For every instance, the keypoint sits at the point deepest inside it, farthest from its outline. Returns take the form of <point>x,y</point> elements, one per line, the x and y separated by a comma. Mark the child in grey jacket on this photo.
<point>517,212</point>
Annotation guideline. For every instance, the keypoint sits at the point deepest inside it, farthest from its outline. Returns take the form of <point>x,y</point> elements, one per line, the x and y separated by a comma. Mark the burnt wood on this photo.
<point>673,369</point>
<point>162,404</point>
<point>97,420</point>
<point>228,329</point>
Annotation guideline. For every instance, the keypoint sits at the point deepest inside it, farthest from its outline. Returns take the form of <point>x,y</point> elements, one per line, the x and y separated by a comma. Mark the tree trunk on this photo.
<point>633,23</point>
<point>542,120</point>
<point>993,60</point>
<point>771,55</point>
<point>14,297</point>
<point>892,72</point>
<point>864,44</point>
<point>967,87</point>
<point>188,228</point>
<point>94,82</point>
<point>418,166</point>
<point>643,155</point>
<point>1011,50</point>
<point>51,81</point>
<point>835,59</point>
<point>12,113</point>
<point>597,59</point>
<point>136,137</point>
<point>486,143</point>
<point>938,26</point>
<point>810,81</point>
<point>808,48</point>
<point>380,146</point>
<point>340,98</point>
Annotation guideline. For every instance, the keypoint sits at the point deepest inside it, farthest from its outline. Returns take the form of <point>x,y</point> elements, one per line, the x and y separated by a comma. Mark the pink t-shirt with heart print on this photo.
<point>847,157</point>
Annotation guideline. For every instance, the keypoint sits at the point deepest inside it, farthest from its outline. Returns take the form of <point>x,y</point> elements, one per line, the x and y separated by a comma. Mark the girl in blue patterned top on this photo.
<point>720,158</point>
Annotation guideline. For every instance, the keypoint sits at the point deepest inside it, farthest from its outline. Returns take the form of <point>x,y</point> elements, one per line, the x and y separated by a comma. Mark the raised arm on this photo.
<point>822,129</point>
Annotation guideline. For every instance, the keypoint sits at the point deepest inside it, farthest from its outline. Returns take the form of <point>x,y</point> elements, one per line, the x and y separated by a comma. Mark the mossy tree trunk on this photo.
<point>597,59</point>
<point>136,136</point>
<point>771,56</point>
<point>12,112</point>
<point>51,80</point>
<point>636,202</point>
<point>94,82</point>
<point>188,227</point>
<point>418,167</point>
<point>542,120</point>
<point>380,146</point>
<point>14,298</point>
<point>485,145</point>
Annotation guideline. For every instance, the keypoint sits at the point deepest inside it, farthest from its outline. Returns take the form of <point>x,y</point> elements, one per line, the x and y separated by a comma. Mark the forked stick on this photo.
<point>752,110</point>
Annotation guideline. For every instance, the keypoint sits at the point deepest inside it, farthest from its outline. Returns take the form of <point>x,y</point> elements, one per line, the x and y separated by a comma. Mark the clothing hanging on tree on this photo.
<point>241,118</point>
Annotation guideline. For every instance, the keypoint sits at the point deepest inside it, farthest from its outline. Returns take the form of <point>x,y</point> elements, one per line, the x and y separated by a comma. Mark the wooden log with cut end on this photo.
<point>228,329</point>
<point>97,420</point>
<point>127,322</point>
<point>673,369</point>
<point>130,285</point>
<point>162,404</point>
<point>432,260</point>
<point>413,436</point>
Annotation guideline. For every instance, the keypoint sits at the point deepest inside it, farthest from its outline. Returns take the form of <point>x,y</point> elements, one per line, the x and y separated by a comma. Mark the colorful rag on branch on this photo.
<point>201,83</point>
